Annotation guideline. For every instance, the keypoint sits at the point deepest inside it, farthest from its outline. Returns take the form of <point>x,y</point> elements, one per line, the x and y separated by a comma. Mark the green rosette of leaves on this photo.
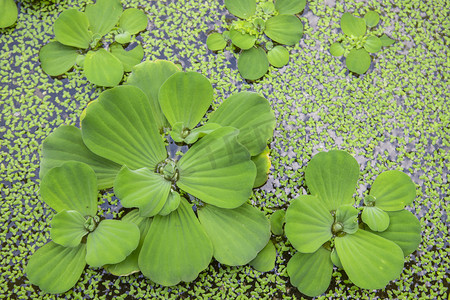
<point>323,227</point>
<point>256,31</point>
<point>78,235</point>
<point>192,208</point>
<point>358,42</point>
<point>79,39</point>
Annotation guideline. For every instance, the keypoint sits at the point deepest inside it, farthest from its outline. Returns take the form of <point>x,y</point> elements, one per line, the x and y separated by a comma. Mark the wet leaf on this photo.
<point>336,49</point>
<point>129,58</point>
<point>290,7</point>
<point>278,56</point>
<point>241,8</point>
<point>133,20</point>
<point>372,44</point>
<point>284,29</point>
<point>347,215</point>
<point>375,218</point>
<point>72,29</point>
<point>103,15</point>
<point>57,59</point>
<point>216,42</point>
<point>242,40</point>
<point>253,63</point>
<point>265,260</point>
<point>353,26</point>
<point>68,228</point>
<point>358,61</point>
<point>102,68</point>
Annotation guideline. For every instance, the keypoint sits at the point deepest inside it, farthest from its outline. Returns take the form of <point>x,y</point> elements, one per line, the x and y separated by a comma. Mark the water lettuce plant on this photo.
<point>357,42</point>
<point>325,228</point>
<point>260,33</point>
<point>80,37</point>
<point>189,179</point>
<point>8,13</point>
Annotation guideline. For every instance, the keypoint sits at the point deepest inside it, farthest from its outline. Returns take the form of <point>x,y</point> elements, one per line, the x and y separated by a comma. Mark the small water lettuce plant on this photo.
<point>260,33</point>
<point>80,39</point>
<point>357,42</point>
<point>8,13</point>
<point>326,229</point>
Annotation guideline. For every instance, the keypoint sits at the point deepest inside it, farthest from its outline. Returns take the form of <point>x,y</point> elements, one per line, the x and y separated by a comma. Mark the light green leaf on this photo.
<point>372,44</point>
<point>347,216</point>
<point>237,234</point>
<point>200,132</point>
<point>216,42</point>
<point>102,68</point>
<point>278,56</point>
<point>103,15</point>
<point>8,13</point>
<point>308,224</point>
<point>393,190</point>
<point>404,230</point>
<point>372,18</point>
<point>289,7</point>
<point>242,40</point>
<point>111,242</point>
<point>263,164</point>
<point>133,20</point>
<point>168,265</point>
<point>284,29</point>
<point>120,127</point>
<point>268,7</point>
<point>241,8</point>
<point>311,272</point>
<point>123,38</point>
<point>143,189</point>
<point>253,63</point>
<point>332,177</point>
<point>129,58</point>
<point>335,259</point>
<point>352,25</point>
<point>65,144</point>
<point>185,97</point>
<point>252,115</point>
<point>375,218</point>
<point>72,29</point>
<point>57,58</point>
<point>386,41</point>
<point>56,269</point>
<point>265,260</point>
<point>337,49</point>
<point>72,186</point>
<point>172,203</point>
<point>358,61</point>
<point>218,170</point>
<point>68,228</point>
<point>369,260</point>
<point>277,220</point>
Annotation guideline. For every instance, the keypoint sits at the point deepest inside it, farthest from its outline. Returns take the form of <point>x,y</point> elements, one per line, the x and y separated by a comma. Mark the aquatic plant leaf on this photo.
<point>120,127</point>
<point>102,68</point>
<point>185,97</point>
<point>71,186</point>
<point>216,42</point>
<point>103,15</point>
<point>8,13</point>
<point>237,235</point>
<point>265,260</point>
<point>263,164</point>
<point>57,58</point>
<point>289,7</point>
<point>375,218</point>
<point>242,40</point>
<point>252,115</point>
<point>353,26</point>
<point>167,264</point>
<point>372,18</point>
<point>65,144</point>
<point>253,63</point>
<point>130,264</point>
<point>72,29</point>
<point>278,56</point>
<point>172,203</point>
<point>277,220</point>
<point>386,41</point>
<point>347,215</point>
<point>123,38</point>
<point>129,58</point>
<point>331,177</point>
<point>311,272</point>
<point>56,269</point>
<point>358,61</point>
<point>393,190</point>
<point>218,170</point>
<point>284,29</point>
<point>142,188</point>
<point>308,223</point>
<point>404,230</point>
<point>373,44</point>
<point>369,260</point>
<point>241,8</point>
<point>268,7</point>
<point>111,242</point>
<point>335,259</point>
<point>200,132</point>
<point>133,20</point>
<point>68,228</point>
<point>337,49</point>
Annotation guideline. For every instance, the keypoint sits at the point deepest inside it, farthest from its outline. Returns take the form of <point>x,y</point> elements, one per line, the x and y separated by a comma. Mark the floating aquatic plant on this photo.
<point>357,42</point>
<point>8,13</point>
<point>276,22</point>
<point>79,41</point>
<point>323,227</point>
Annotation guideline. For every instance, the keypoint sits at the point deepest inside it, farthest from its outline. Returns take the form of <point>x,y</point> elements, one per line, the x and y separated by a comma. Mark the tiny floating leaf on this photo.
<point>241,8</point>
<point>372,18</point>
<point>253,63</point>
<point>133,20</point>
<point>242,40</point>
<point>373,44</point>
<point>56,58</point>
<point>386,41</point>
<point>102,68</point>
<point>265,260</point>
<point>290,7</point>
<point>278,56</point>
<point>284,29</point>
<point>352,25</point>
<point>337,49</point>
<point>358,61</point>
<point>216,42</point>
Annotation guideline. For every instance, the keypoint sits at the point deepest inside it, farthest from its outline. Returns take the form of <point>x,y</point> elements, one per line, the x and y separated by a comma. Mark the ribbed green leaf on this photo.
<point>133,20</point>
<point>284,29</point>
<point>308,224</point>
<point>72,186</point>
<point>277,220</point>
<point>253,63</point>
<point>120,127</point>
<point>200,132</point>
<point>278,56</point>
<point>372,18</point>
<point>68,228</point>
<point>57,58</point>
<point>336,49</point>
<point>372,44</point>
<point>335,259</point>
<point>111,242</point>
<point>72,29</point>
<point>332,177</point>
<point>129,58</point>
<point>386,41</point>
<point>8,13</point>
<point>263,164</point>
<point>311,272</point>
<point>167,264</point>
<point>265,260</point>
<point>102,68</point>
<point>216,42</point>
<point>218,170</point>
<point>56,269</point>
<point>375,218</point>
<point>172,203</point>
<point>289,7</point>
<point>241,8</point>
<point>103,15</point>
<point>352,25</point>
<point>347,215</point>
<point>369,260</point>
<point>242,40</point>
<point>358,61</point>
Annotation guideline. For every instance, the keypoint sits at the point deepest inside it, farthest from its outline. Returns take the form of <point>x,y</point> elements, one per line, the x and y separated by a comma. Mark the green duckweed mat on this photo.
<point>396,116</point>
